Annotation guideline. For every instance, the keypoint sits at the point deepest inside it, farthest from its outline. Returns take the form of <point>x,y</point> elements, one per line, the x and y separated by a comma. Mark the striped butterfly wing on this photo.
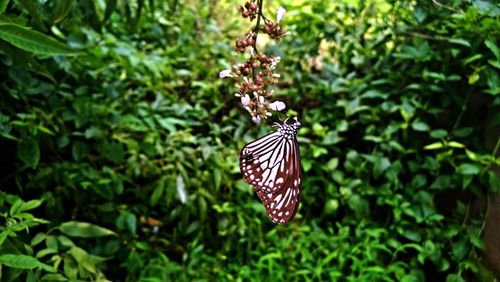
<point>264,162</point>
<point>271,164</point>
<point>282,206</point>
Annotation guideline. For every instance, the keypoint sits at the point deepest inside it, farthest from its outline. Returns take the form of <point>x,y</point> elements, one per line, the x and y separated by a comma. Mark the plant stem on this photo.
<point>493,156</point>
<point>256,32</point>
<point>256,29</point>
<point>460,116</point>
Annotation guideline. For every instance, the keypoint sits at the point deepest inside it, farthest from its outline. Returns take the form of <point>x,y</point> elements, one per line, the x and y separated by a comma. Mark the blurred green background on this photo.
<point>119,144</point>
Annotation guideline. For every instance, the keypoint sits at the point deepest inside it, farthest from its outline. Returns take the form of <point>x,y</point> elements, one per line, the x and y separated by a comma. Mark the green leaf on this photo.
<point>24,59</point>
<point>455,144</point>
<point>473,78</point>
<point>4,235</point>
<point>493,47</point>
<point>131,221</point>
<point>434,146</point>
<point>33,41</point>
<point>442,182</point>
<point>420,126</point>
<point>54,277</point>
<point>380,165</point>
<point>34,11</point>
<point>23,262</point>
<point>28,152</point>
<point>468,169</point>
<point>3,5</point>
<point>438,133</point>
<point>158,192</point>
<point>61,10</point>
<point>493,180</point>
<point>38,239</point>
<point>84,259</point>
<point>459,41</point>
<point>84,229</point>
<point>454,278</point>
<point>30,205</point>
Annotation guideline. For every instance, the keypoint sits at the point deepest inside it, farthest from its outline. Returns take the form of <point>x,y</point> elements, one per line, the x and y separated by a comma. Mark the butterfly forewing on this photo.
<point>263,162</point>
<point>271,164</point>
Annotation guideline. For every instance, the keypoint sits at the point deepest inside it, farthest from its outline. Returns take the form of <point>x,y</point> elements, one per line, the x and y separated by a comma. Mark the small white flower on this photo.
<point>245,100</point>
<point>280,14</point>
<point>261,99</point>
<point>277,106</point>
<point>256,119</point>
<point>226,73</point>
<point>274,62</point>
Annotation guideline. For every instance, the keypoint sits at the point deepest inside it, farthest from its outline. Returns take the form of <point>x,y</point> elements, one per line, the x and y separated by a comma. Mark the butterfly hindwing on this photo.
<point>282,206</point>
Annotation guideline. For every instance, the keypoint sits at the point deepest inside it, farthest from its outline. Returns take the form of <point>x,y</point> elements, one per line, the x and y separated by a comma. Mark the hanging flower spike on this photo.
<point>280,14</point>
<point>277,106</point>
<point>257,71</point>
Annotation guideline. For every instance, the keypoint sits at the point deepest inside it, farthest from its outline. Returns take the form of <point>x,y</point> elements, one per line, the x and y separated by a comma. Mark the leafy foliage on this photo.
<point>120,145</point>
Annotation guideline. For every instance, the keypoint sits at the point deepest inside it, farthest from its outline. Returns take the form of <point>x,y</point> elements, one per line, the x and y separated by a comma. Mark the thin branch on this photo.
<point>460,116</point>
<point>446,7</point>
<point>425,36</point>
<point>256,32</point>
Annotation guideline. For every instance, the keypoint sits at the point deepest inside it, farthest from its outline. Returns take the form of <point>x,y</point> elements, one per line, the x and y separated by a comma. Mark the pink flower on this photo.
<point>225,73</point>
<point>280,14</point>
<point>245,100</point>
<point>277,106</point>
<point>256,119</point>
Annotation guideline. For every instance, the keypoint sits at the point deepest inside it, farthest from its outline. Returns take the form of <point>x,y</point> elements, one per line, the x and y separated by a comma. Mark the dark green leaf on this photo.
<point>468,169</point>
<point>33,41</point>
<point>3,5</point>
<point>29,152</point>
<point>84,229</point>
<point>23,262</point>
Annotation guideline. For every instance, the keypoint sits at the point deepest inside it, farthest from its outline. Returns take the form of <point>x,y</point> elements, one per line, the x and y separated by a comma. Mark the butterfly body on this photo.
<point>271,164</point>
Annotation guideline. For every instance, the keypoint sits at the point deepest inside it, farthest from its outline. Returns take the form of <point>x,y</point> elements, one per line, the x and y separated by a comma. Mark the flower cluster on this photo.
<point>257,72</point>
<point>249,11</point>
<point>274,29</point>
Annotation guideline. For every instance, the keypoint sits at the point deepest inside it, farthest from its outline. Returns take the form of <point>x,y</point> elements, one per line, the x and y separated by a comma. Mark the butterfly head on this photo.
<point>289,129</point>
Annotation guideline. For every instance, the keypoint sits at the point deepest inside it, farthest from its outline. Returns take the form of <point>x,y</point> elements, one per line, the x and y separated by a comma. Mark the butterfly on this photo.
<point>271,164</point>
